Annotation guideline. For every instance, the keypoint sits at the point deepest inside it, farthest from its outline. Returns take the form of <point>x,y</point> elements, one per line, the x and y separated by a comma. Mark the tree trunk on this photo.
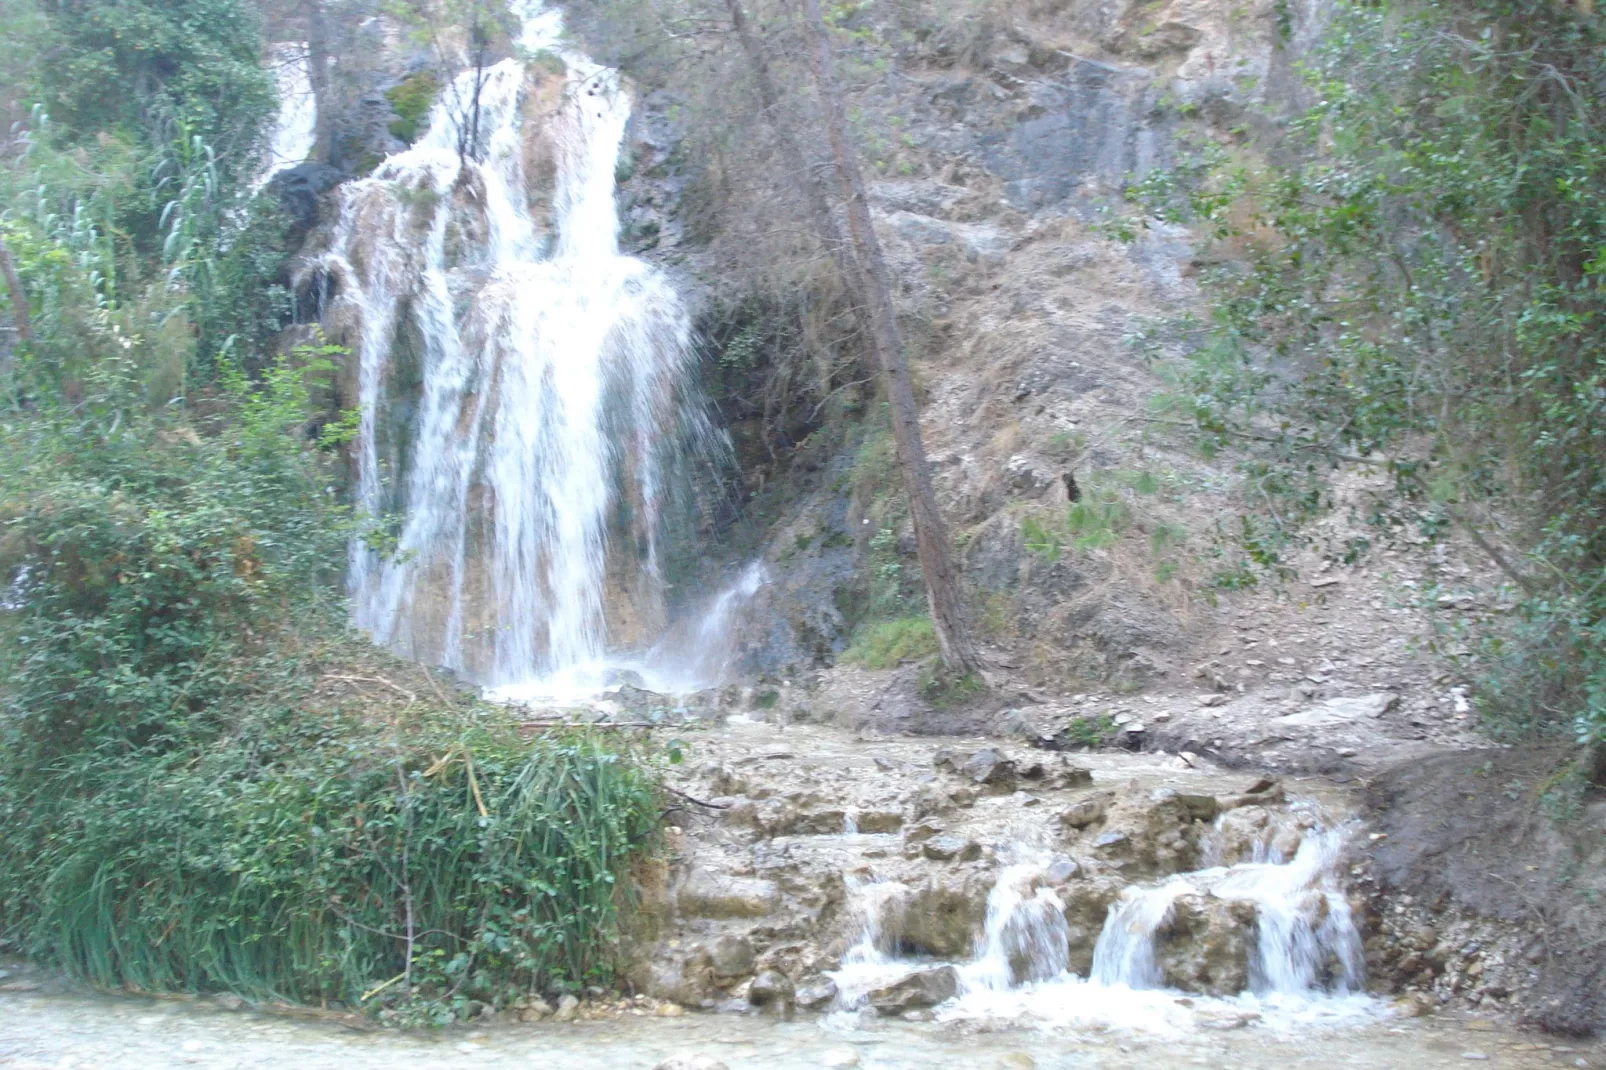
<point>931,537</point>
<point>809,183</point>
<point>318,77</point>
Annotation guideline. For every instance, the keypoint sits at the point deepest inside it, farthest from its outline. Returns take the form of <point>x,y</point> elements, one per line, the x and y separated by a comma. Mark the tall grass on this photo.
<point>416,876</point>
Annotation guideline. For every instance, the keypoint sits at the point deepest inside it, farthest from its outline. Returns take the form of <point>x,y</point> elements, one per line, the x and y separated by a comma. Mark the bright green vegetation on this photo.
<point>205,782</point>
<point>411,100</point>
<point>1426,296</point>
<point>885,644</point>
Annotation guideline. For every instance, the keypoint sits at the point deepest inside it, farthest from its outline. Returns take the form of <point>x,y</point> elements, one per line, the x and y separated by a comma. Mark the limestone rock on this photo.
<point>730,956</point>
<point>950,848</point>
<point>990,769</point>
<point>568,1008</point>
<point>1084,812</point>
<point>1204,945</point>
<point>716,895</point>
<point>772,990</point>
<point>816,994</point>
<point>921,988</point>
<point>943,918</point>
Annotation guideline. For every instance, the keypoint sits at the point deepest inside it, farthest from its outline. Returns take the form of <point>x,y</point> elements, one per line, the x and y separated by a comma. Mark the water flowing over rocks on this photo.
<point>982,901</point>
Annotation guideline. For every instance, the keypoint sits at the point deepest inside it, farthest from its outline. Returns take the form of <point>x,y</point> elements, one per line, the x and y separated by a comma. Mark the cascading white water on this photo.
<point>1024,937</point>
<point>1305,959</point>
<point>550,409</point>
<point>295,129</point>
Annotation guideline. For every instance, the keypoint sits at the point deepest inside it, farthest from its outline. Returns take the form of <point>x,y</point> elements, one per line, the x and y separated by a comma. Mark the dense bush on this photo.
<point>1426,291</point>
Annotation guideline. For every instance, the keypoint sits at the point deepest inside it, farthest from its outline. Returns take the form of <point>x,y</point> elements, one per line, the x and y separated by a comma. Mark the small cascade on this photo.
<point>526,421</point>
<point>1290,920</point>
<point>1025,937</point>
<point>1124,955</point>
<point>877,908</point>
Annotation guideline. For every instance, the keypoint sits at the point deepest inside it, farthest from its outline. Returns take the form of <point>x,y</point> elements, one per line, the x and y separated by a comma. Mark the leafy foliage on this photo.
<point>1426,294</point>
<point>886,644</point>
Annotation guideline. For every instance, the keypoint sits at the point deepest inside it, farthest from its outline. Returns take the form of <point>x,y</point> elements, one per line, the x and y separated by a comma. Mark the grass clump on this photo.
<point>888,643</point>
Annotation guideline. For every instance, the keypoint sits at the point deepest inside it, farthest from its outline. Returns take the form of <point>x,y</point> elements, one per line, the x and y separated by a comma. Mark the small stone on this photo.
<point>568,1008</point>
<point>1261,786</point>
<point>228,1001</point>
<point>1062,870</point>
<point>669,1010</point>
<point>691,1062</point>
<point>839,1059</point>
<point>535,1010</point>
<point>1110,839</point>
<point>1016,1060</point>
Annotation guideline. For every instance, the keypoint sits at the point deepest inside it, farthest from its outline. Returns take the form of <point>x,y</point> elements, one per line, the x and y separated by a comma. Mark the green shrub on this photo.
<point>411,99</point>
<point>888,643</point>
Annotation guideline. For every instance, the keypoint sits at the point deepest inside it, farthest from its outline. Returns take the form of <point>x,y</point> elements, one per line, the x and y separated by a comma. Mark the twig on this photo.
<point>374,991</point>
<point>691,799</point>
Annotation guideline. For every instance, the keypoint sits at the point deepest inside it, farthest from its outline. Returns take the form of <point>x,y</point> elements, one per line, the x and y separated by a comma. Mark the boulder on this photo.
<point>717,895</point>
<point>1204,945</point>
<point>816,994</point>
<point>990,769</point>
<point>942,919</point>
<point>730,957</point>
<point>918,989</point>
<point>773,991</point>
<point>948,848</point>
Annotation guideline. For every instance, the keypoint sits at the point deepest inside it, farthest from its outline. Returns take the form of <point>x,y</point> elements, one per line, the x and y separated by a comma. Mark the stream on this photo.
<point>65,1029</point>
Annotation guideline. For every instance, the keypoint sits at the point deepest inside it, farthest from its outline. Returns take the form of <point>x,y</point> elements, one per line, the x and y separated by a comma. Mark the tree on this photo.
<point>869,274</point>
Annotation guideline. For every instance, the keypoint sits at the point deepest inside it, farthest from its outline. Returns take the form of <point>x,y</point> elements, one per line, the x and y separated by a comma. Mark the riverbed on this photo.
<point>63,1028</point>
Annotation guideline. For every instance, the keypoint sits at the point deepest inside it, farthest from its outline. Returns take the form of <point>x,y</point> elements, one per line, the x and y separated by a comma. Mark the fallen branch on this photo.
<point>372,680</point>
<point>587,724</point>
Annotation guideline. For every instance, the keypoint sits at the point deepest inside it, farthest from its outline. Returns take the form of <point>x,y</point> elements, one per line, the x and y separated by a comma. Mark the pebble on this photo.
<point>1475,1055</point>
<point>1016,1060</point>
<point>839,1059</point>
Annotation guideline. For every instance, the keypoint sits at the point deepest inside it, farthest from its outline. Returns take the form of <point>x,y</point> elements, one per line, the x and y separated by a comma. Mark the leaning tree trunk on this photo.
<point>318,79</point>
<point>931,537</point>
<point>809,183</point>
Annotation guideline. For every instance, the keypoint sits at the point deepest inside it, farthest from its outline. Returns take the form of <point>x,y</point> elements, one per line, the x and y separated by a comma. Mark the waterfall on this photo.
<point>521,384</point>
<point>295,129</point>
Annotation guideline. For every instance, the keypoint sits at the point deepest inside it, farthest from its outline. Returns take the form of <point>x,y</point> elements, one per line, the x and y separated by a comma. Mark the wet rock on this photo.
<point>922,988</point>
<point>871,822</point>
<point>951,848</point>
<point>990,769</point>
<point>568,1008</point>
<point>716,895</point>
<point>839,1058</point>
<point>942,919</point>
<point>669,1010</point>
<point>1085,812</point>
<point>925,830</point>
<point>1204,945</point>
<point>773,991</point>
<point>1199,807</point>
<point>228,1001</point>
<point>677,976</point>
<point>1087,904</point>
<point>816,994</point>
<point>730,957</point>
